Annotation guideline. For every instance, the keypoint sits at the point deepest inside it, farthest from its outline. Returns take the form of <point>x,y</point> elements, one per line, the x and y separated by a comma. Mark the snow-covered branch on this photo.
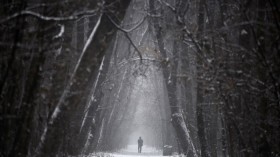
<point>62,29</point>
<point>49,18</point>
<point>60,103</point>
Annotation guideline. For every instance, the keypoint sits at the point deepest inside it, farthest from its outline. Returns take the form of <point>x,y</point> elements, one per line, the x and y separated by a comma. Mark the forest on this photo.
<point>78,77</point>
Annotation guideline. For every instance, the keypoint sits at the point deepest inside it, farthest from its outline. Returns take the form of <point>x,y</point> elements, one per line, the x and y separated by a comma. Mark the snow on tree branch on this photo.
<point>49,18</point>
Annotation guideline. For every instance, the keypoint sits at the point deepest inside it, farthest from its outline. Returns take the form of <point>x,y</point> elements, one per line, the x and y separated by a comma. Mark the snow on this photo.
<point>62,28</point>
<point>209,60</point>
<point>131,150</point>
<point>101,133</point>
<point>244,32</point>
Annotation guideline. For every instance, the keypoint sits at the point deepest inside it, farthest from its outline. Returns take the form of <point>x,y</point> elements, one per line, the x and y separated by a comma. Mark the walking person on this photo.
<point>140,144</point>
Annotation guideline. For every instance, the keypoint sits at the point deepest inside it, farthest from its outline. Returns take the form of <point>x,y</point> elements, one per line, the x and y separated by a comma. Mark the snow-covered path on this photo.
<point>131,151</point>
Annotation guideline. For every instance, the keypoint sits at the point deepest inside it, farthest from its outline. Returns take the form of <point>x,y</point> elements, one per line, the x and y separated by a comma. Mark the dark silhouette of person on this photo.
<point>140,144</point>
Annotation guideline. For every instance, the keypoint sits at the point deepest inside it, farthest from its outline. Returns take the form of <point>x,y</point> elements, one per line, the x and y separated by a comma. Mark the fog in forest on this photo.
<point>121,78</point>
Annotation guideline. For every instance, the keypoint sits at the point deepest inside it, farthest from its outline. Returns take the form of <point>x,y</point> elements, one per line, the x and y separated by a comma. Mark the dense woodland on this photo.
<point>74,75</point>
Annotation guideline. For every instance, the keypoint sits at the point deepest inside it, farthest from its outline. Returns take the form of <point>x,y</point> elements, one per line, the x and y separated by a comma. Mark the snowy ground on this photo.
<point>132,150</point>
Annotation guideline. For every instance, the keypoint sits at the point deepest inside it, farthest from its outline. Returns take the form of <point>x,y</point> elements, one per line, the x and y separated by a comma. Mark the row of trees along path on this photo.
<point>81,77</point>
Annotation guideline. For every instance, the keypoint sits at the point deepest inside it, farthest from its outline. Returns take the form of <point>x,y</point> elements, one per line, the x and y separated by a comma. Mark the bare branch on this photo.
<point>127,31</point>
<point>136,48</point>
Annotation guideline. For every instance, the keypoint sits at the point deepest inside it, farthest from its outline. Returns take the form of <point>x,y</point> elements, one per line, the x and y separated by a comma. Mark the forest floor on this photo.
<point>131,151</point>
